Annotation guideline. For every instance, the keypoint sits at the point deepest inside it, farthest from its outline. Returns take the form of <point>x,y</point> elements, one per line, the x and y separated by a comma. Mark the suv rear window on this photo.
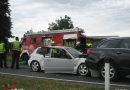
<point>113,43</point>
<point>125,43</point>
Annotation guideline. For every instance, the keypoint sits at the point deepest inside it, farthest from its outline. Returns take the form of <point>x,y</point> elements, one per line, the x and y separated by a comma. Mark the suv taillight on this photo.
<point>89,51</point>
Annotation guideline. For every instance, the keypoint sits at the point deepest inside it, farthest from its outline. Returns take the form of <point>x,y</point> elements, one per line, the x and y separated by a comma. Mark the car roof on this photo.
<point>111,38</point>
<point>56,46</point>
<point>119,38</point>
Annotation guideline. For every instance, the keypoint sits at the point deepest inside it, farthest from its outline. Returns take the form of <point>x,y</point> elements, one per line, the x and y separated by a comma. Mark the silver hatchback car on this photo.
<point>58,59</point>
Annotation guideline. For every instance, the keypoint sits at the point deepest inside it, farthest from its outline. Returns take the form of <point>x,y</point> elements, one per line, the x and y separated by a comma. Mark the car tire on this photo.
<point>83,70</point>
<point>113,71</point>
<point>25,57</point>
<point>35,66</point>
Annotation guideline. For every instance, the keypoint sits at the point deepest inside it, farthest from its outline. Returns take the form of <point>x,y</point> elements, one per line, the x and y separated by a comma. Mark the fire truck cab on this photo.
<point>67,37</point>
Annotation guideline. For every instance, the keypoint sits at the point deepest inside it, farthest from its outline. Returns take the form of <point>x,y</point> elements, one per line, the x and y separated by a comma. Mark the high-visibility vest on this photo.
<point>2,47</point>
<point>54,52</point>
<point>16,45</point>
<point>89,44</point>
<point>52,43</point>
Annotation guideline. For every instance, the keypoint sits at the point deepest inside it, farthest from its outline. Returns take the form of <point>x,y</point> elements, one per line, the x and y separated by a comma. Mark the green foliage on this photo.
<point>62,23</point>
<point>5,19</point>
<point>24,83</point>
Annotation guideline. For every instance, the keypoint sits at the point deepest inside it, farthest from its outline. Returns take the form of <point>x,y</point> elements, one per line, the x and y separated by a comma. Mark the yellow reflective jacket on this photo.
<point>16,45</point>
<point>2,47</point>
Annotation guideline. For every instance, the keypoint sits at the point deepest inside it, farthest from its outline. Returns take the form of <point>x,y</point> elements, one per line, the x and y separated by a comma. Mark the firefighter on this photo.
<point>54,50</point>
<point>88,44</point>
<point>2,55</point>
<point>80,47</point>
<point>7,49</point>
<point>16,53</point>
<point>52,43</point>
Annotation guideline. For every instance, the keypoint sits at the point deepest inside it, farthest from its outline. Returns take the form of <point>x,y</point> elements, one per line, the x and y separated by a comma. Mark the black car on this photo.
<point>117,50</point>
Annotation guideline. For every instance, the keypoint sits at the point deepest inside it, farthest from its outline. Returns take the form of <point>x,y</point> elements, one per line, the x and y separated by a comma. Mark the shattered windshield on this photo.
<point>73,52</point>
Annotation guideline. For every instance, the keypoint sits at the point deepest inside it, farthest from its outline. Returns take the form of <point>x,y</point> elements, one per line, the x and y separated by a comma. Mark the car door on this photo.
<point>124,54</point>
<point>59,62</point>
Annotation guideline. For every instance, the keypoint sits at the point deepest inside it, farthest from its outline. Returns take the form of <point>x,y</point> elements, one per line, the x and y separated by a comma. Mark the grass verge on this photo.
<point>24,83</point>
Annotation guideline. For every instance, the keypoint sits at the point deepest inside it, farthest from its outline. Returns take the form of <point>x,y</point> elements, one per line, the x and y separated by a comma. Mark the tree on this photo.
<point>5,19</point>
<point>62,23</point>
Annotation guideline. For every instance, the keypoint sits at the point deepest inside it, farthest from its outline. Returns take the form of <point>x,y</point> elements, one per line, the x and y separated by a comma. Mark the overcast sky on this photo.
<point>96,17</point>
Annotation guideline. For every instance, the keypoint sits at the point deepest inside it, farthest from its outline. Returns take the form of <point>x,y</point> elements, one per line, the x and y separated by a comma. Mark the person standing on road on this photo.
<point>16,53</point>
<point>6,50</point>
<point>2,54</point>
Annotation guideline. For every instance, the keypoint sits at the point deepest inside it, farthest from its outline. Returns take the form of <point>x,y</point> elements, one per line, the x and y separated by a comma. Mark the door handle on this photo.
<point>48,60</point>
<point>118,52</point>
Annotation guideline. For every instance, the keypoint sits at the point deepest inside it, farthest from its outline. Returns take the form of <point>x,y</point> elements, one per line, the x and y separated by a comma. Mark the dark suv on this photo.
<point>117,50</point>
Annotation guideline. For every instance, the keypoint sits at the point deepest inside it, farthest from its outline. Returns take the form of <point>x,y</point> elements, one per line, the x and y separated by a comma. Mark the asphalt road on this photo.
<point>26,71</point>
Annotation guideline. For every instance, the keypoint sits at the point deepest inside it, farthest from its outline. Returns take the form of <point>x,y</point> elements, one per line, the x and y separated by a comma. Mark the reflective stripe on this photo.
<point>16,45</point>
<point>2,48</point>
<point>89,44</point>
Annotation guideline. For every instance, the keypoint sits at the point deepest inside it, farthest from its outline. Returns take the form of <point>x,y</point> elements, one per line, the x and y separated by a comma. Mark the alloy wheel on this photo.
<point>35,66</point>
<point>83,70</point>
<point>112,72</point>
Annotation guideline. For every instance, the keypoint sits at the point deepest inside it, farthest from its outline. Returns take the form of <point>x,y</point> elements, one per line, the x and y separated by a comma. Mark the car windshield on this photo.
<point>73,52</point>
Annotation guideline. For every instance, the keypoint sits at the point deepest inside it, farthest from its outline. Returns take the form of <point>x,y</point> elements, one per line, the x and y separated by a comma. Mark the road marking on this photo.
<point>96,83</point>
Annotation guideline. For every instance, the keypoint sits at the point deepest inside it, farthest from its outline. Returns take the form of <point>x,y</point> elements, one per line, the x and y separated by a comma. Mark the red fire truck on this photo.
<point>67,37</point>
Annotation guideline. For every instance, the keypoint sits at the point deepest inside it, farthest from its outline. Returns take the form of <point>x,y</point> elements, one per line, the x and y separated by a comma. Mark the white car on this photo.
<point>58,59</point>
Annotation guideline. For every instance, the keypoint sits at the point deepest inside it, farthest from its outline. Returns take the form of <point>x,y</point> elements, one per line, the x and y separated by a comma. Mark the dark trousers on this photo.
<point>3,59</point>
<point>15,59</point>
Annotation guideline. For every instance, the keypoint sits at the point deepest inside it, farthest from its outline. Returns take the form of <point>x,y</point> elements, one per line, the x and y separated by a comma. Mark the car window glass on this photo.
<point>46,52</point>
<point>39,51</point>
<point>110,44</point>
<point>75,53</point>
<point>59,53</point>
<point>125,43</point>
<point>54,53</point>
<point>33,40</point>
<point>64,54</point>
